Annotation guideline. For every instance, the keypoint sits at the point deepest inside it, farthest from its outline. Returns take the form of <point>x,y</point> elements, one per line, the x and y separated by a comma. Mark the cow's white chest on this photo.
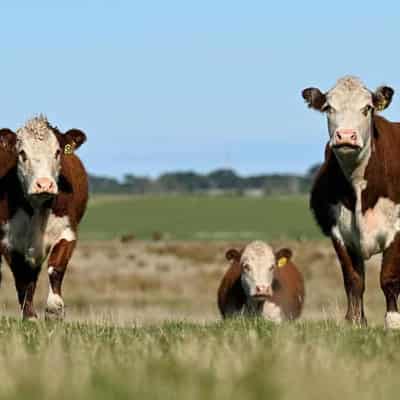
<point>34,236</point>
<point>267,309</point>
<point>369,233</point>
<point>272,312</point>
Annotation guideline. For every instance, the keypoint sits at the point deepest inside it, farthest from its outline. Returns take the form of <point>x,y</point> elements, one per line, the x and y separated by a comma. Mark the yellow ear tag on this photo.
<point>382,103</point>
<point>68,149</point>
<point>282,262</point>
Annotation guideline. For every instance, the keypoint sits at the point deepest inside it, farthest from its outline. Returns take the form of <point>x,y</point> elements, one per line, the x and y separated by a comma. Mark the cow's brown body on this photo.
<point>70,202</point>
<point>288,292</point>
<point>382,178</point>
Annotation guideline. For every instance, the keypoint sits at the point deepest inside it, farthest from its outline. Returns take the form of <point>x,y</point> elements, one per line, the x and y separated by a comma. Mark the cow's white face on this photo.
<point>349,107</point>
<point>349,110</point>
<point>258,263</point>
<point>37,150</point>
<point>39,159</point>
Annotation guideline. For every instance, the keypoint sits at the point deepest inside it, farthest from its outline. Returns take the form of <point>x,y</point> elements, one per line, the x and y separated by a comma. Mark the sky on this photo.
<point>191,85</point>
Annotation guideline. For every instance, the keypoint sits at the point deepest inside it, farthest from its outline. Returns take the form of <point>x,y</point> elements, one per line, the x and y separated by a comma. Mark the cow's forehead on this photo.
<point>37,134</point>
<point>258,251</point>
<point>349,92</point>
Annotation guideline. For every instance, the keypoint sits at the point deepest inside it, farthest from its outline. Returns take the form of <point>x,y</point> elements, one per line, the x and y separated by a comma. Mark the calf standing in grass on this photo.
<point>260,282</point>
<point>43,196</point>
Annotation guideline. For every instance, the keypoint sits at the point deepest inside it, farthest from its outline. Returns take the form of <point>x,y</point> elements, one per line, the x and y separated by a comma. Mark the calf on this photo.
<point>43,196</point>
<point>262,283</point>
<point>356,195</point>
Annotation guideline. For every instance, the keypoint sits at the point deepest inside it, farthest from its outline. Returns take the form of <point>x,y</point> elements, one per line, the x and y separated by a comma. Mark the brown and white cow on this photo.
<point>260,282</point>
<point>43,196</point>
<point>356,194</point>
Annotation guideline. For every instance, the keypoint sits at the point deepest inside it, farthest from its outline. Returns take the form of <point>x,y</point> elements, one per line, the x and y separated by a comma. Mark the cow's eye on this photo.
<point>58,152</point>
<point>22,155</point>
<point>328,109</point>
<point>246,267</point>
<point>366,109</point>
<point>272,267</point>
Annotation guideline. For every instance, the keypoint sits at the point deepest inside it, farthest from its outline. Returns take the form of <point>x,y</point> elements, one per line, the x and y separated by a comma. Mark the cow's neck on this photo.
<point>354,166</point>
<point>267,308</point>
<point>354,169</point>
<point>254,307</point>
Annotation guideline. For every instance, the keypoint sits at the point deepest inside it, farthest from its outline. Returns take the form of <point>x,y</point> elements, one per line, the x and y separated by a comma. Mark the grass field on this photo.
<point>142,320</point>
<point>240,359</point>
<point>193,218</point>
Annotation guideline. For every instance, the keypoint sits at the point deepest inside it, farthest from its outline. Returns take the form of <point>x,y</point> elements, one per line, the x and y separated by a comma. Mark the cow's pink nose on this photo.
<point>264,290</point>
<point>44,185</point>
<point>261,289</point>
<point>346,136</point>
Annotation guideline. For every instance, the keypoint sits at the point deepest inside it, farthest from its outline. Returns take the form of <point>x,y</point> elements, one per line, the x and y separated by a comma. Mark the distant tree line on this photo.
<point>216,182</point>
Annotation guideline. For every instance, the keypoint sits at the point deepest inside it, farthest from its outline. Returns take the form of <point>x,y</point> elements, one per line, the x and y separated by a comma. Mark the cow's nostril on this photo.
<point>44,185</point>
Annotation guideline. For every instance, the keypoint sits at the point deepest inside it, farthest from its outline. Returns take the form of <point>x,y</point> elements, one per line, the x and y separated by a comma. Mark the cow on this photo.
<point>355,197</point>
<point>43,196</point>
<point>262,283</point>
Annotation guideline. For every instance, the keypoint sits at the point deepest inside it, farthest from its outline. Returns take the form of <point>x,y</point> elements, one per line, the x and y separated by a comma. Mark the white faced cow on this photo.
<point>261,282</point>
<point>43,196</point>
<point>356,195</point>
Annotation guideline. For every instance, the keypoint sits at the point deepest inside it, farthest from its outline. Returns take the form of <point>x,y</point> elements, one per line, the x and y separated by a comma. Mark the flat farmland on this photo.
<point>199,217</point>
<point>142,320</point>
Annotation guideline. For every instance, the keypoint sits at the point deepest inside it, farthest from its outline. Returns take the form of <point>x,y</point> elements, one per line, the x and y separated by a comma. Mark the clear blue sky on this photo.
<point>177,85</point>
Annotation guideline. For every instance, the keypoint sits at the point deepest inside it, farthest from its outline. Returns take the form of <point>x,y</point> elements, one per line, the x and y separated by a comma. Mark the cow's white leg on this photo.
<point>55,303</point>
<point>392,320</point>
<point>58,261</point>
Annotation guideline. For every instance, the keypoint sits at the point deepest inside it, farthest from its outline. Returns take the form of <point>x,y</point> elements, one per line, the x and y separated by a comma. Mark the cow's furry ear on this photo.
<point>72,139</point>
<point>382,97</point>
<point>233,255</point>
<point>8,139</point>
<point>314,98</point>
<point>283,256</point>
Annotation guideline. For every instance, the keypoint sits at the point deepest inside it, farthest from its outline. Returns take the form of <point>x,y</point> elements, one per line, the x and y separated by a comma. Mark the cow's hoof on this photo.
<point>392,320</point>
<point>31,317</point>
<point>55,310</point>
<point>357,322</point>
<point>52,314</point>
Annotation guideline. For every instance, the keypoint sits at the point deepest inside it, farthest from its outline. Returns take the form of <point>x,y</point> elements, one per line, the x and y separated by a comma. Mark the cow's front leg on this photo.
<point>25,277</point>
<point>354,282</point>
<point>390,283</point>
<point>58,261</point>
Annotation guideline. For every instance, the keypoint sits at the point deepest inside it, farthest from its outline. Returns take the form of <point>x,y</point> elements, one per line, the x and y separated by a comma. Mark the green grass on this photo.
<point>239,359</point>
<point>191,217</point>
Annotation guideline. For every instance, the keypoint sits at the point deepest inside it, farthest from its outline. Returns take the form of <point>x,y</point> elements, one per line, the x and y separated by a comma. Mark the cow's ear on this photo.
<point>72,139</point>
<point>382,97</point>
<point>314,98</point>
<point>8,139</point>
<point>233,255</point>
<point>283,256</point>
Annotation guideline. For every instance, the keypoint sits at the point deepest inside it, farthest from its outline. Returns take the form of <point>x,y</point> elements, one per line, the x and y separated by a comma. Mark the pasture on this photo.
<point>142,320</point>
<point>239,359</point>
<point>200,217</point>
